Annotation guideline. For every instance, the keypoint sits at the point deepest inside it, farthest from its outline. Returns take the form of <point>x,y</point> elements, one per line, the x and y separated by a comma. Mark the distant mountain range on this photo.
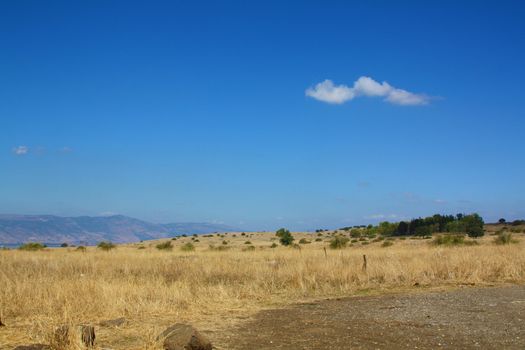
<point>93,229</point>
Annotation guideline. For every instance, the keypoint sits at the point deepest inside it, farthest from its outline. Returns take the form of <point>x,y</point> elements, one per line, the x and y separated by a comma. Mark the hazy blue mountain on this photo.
<point>92,229</point>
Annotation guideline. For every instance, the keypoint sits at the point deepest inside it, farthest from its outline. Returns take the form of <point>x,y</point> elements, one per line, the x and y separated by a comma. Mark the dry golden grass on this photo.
<point>211,289</point>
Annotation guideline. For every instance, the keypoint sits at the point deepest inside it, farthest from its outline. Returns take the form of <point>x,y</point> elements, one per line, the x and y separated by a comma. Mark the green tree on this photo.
<point>285,237</point>
<point>473,225</point>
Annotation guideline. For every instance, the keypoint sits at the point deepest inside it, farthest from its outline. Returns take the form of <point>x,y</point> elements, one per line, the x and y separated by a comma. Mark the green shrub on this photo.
<point>247,242</point>
<point>452,239</point>
<point>339,242</point>
<point>188,247</point>
<point>304,241</point>
<point>285,237</point>
<point>81,248</point>
<point>165,246</point>
<point>274,245</point>
<point>504,238</point>
<point>318,239</point>
<point>106,246</point>
<point>387,244</point>
<point>224,242</point>
<point>249,248</point>
<point>32,246</point>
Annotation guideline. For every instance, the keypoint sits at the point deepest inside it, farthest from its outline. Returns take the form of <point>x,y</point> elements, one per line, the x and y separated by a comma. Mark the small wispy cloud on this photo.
<point>65,149</point>
<point>20,150</point>
<point>382,216</point>
<point>328,92</point>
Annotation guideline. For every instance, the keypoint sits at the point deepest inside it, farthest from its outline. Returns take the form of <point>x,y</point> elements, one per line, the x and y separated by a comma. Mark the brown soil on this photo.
<point>468,318</point>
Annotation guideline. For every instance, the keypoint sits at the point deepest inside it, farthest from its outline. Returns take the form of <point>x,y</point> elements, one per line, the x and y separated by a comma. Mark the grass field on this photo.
<point>213,288</point>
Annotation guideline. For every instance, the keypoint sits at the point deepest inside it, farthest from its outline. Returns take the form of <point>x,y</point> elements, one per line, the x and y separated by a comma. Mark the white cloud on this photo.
<point>326,91</point>
<point>381,216</point>
<point>20,150</point>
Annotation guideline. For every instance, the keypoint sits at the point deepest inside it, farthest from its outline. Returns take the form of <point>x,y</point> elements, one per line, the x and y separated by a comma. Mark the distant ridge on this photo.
<point>93,229</point>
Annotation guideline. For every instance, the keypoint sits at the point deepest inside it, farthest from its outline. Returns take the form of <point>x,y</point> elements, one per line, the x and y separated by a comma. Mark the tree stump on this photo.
<point>86,336</point>
<point>61,337</point>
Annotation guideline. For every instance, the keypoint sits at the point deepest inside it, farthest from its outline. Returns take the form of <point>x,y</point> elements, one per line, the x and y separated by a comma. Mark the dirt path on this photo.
<point>469,318</point>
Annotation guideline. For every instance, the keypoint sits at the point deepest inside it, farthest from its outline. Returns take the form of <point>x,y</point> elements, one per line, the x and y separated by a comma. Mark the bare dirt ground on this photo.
<point>468,318</point>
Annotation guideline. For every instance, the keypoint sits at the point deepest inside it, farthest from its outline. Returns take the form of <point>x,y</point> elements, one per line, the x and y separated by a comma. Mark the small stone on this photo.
<point>184,337</point>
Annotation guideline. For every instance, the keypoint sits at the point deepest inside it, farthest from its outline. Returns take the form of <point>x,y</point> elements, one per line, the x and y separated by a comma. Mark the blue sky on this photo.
<point>211,111</point>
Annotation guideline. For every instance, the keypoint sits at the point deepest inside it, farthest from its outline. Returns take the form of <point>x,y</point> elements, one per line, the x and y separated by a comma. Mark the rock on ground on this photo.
<point>184,337</point>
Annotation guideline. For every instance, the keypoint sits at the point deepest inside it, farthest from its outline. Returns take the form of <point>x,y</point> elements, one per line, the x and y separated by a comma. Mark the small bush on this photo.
<point>81,248</point>
<point>274,245</point>
<point>188,247</point>
<point>224,242</point>
<point>504,238</point>
<point>165,246</point>
<point>318,239</point>
<point>285,237</point>
<point>387,244</point>
<point>220,248</point>
<point>365,243</point>
<point>304,241</point>
<point>106,246</point>
<point>64,245</point>
<point>32,246</point>
<point>339,242</point>
<point>451,240</point>
<point>249,248</point>
<point>141,247</point>
<point>247,242</point>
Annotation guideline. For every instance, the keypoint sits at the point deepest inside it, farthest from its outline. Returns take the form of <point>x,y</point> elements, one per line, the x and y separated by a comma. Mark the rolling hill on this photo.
<point>92,229</point>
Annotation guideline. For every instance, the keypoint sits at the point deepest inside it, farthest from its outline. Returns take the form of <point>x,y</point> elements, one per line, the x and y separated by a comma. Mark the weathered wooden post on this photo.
<point>364,262</point>
<point>86,336</point>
